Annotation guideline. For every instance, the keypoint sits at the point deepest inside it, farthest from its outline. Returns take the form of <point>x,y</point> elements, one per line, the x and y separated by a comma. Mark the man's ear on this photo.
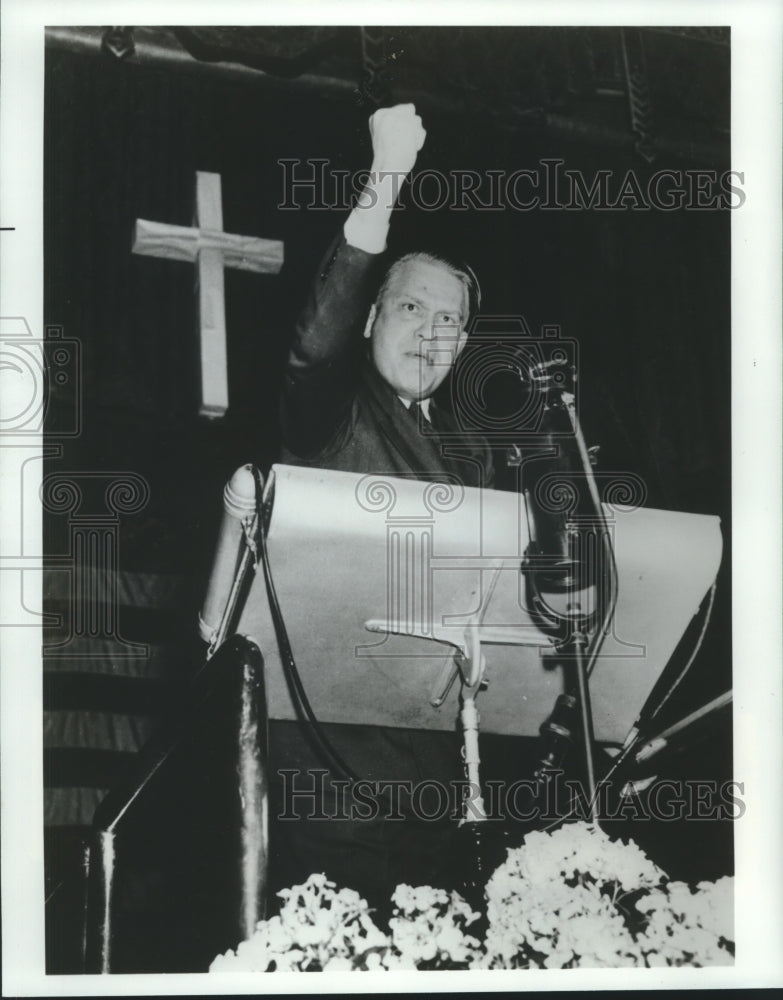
<point>461,341</point>
<point>370,321</point>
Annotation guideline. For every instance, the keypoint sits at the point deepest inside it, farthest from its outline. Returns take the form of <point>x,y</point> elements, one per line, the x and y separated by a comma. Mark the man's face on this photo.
<point>417,331</point>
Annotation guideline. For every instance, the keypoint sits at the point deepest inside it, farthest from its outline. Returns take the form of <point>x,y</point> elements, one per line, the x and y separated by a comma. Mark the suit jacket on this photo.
<point>338,413</point>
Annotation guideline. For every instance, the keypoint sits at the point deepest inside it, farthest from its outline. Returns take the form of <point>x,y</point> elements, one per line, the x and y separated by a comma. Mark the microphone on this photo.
<point>556,486</point>
<point>239,505</point>
<point>568,541</point>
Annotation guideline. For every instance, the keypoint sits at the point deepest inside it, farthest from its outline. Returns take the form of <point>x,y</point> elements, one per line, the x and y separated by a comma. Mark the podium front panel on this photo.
<point>427,558</point>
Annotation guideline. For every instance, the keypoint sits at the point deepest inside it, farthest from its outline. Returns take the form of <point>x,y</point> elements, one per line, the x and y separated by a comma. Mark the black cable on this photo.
<point>694,653</point>
<point>286,653</point>
<point>646,716</point>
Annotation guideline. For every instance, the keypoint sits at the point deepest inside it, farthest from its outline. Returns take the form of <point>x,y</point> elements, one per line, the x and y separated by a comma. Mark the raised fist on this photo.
<point>397,136</point>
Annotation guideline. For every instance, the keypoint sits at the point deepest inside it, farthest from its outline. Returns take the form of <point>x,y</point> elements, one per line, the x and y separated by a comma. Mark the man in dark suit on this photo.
<point>363,367</point>
<point>357,397</point>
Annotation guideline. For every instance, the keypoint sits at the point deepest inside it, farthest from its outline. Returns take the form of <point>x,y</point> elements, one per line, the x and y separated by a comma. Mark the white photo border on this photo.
<point>756,27</point>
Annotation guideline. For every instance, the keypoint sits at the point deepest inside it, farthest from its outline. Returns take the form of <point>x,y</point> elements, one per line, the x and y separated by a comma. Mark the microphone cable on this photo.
<point>284,643</point>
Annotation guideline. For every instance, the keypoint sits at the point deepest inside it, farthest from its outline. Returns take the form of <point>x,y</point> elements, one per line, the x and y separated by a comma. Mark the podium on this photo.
<point>388,587</point>
<point>381,579</point>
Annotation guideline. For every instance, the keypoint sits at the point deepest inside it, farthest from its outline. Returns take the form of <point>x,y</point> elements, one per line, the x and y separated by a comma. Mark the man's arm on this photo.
<point>325,356</point>
<point>397,136</point>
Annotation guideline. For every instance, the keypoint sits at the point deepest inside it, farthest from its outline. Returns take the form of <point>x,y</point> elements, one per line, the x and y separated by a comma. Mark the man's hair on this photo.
<point>463,272</point>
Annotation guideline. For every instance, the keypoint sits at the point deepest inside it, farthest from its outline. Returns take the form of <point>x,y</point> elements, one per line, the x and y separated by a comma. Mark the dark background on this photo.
<point>644,293</point>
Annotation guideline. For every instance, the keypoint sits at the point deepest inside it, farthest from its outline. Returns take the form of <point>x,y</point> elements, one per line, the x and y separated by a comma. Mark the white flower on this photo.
<point>686,927</point>
<point>552,902</point>
<point>337,964</point>
<point>561,900</point>
<point>318,927</point>
<point>427,927</point>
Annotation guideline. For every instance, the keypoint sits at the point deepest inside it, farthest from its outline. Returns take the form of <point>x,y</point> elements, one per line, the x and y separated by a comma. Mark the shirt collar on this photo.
<point>423,403</point>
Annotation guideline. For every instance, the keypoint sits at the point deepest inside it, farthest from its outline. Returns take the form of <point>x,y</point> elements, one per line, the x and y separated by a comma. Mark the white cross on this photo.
<point>207,245</point>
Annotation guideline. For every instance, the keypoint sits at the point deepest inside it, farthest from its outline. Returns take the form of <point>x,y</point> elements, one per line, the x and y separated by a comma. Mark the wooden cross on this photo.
<point>211,249</point>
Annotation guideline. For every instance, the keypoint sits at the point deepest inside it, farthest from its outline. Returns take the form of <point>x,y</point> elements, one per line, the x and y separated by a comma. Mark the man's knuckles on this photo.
<point>400,119</point>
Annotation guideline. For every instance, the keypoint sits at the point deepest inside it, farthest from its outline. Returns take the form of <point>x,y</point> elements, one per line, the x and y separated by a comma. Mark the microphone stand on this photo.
<point>557,563</point>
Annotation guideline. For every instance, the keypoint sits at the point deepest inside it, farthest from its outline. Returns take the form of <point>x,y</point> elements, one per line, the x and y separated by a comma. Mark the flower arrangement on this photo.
<point>575,898</point>
<point>567,899</point>
<point>318,927</point>
<point>428,930</point>
<point>689,928</point>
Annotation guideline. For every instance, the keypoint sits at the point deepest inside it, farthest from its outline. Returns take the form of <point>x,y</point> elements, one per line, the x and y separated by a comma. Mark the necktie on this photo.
<point>417,415</point>
<point>423,425</point>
